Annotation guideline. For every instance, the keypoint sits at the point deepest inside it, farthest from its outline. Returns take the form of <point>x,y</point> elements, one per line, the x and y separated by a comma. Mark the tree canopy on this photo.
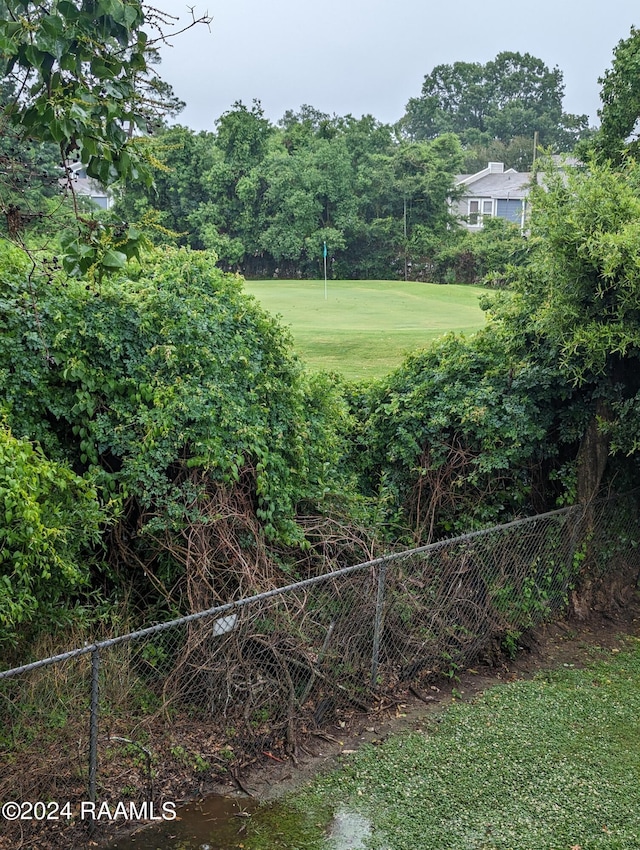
<point>77,71</point>
<point>81,77</point>
<point>620,96</point>
<point>513,95</point>
<point>266,198</point>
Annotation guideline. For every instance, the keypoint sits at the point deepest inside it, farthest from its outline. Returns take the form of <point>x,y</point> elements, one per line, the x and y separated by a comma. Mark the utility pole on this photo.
<point>406,273</point>
<point>324,254</point>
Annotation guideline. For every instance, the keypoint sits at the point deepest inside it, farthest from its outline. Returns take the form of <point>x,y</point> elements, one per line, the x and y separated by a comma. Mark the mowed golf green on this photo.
<point>365,328</point>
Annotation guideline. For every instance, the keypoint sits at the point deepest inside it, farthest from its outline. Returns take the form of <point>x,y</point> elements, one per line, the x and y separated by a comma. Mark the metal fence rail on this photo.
<point>211,690</point>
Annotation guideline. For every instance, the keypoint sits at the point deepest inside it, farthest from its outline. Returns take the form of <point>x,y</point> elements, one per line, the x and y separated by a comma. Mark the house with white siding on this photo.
<point>492,193</point>
<point>85,187</point>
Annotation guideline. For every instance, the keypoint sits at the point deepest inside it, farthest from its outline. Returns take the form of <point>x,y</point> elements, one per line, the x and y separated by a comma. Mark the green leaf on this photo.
<point>114,259</point>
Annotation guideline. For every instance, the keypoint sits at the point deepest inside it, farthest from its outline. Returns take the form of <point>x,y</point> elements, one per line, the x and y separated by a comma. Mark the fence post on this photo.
<point>93,728</point>
<point>377,626</point>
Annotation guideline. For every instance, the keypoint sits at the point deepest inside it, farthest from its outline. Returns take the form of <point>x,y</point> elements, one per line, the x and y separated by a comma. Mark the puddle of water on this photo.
<point>348,830</point>
<point>215,823</point>
<point>224,823</point>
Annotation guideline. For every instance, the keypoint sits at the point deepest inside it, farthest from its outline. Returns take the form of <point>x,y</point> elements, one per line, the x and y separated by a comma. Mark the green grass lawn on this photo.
<point>365,327</point>
<point>547,764</point>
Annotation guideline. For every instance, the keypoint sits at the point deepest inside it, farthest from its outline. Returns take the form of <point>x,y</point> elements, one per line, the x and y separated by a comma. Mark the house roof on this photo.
<point>84,185</point>
<point>493,182</point>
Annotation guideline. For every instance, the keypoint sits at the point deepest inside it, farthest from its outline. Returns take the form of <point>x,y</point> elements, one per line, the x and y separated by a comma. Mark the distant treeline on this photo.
<point>266,198</point>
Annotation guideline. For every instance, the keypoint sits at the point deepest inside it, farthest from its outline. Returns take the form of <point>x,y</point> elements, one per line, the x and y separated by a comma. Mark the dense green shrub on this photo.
<point>173,389</point>
<point>456,437</point>
<point>49,518</point>
<point>490,253</point>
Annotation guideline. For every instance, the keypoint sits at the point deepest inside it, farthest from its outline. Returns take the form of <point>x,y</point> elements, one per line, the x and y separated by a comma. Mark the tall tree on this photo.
<point>242,135</point>
<point>183,158</point>
<point>229,218</point>
<point>575,311</point>
<point>310,199</point>
<point>84,80</point>
<point>618,135</point>
<point>424,176</point>
<point>513,95</point>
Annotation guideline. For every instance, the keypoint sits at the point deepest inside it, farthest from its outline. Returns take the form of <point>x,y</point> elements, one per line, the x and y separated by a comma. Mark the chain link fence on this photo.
<point>168,709</point>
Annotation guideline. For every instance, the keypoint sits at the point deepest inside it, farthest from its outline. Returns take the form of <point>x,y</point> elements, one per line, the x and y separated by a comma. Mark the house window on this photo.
<point>478,209</point>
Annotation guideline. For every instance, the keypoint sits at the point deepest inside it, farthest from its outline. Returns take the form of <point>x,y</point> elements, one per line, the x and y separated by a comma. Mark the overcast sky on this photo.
<point>371,56</point>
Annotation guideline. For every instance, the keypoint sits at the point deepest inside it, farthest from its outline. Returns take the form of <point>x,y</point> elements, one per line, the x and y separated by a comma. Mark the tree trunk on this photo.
<point>593,456</point>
